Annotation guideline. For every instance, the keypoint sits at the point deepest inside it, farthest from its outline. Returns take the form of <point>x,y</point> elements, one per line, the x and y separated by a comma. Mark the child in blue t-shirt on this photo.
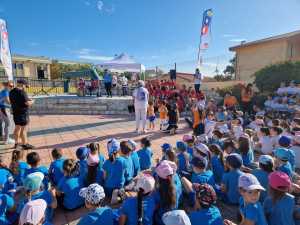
<point>266,164</point>
<point>7,203</point>
<point>140,209</point>
<point>165,148</point>
<point>114,168</point>
<point>82,154</point>
<point>228,148</point>
<point>183,158</point>
<point>281,161</point>
<point>56,167</point>
<point>70,184</point>
<point>33,159</point>
<point>190,141</point>
<point>279,206</point>
<point>145,154</point>
<point>34,190</point>
<point>202,199</point>
<point>217,162</point>
<point>94,196</point>
<point>246,151</point>
<point>217,138</point>
<point>5,177</point>
<point>200,175</point>
<point>285,142</point>
<point>125,151</point>
<point>250,208</point>
<point>229,184</point>
<point>17,166</point>
<point>135,158</point>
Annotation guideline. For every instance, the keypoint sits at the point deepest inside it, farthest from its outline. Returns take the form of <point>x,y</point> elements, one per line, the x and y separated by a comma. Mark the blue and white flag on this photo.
<point>5,56</point>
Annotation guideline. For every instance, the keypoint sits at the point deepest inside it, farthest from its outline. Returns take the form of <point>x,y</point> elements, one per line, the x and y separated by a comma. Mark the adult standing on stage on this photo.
<point>141,97</point>
<point>5,112</point>
<point>107,80</point>
<point>20,104</point>
<point>197,80</point>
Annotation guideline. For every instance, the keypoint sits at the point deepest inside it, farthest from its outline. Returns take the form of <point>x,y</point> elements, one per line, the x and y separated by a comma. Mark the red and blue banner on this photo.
<point>5,55</point>
<point>205,29</point>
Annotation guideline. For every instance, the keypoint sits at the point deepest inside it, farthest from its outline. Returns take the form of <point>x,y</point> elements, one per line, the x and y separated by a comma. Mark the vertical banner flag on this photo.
<point>5,56</point>
<point>205,32</point>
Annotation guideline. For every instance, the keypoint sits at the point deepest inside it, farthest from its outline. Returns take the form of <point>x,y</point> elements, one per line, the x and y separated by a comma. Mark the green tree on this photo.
<point>57,69</point>
<point>269,78</point>
<point>230,69</point>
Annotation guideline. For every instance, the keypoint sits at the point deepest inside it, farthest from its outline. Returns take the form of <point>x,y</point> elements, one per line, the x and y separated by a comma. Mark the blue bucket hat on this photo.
<point>284,141</point>
<point>166,147</point>
<point>181,145</point>
<point>82,153</point>
<point>282,154</point>
<point>113,146</point>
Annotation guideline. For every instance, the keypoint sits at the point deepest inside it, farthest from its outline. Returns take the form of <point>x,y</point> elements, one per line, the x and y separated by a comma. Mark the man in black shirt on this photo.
<point>20,104</point>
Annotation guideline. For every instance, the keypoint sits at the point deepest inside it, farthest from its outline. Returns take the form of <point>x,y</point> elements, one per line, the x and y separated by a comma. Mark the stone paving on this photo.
<point>71,131</point>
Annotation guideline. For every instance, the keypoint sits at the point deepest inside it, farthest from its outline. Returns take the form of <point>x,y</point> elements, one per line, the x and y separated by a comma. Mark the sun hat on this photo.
<point>280,181</point>
<point>199,162</point>
<point>145,182</point>
<point>284,141</point>
<point>133,144</point>
<point>202,148</point>
<point>93,160</point>
<point>82,153</point>
<point>265,159</point>
<point>249,182</point>
<point>201,139</point>
<point>206,194</point>
<point>165,169</point>
<point>113,146</point>
<point>176,217</point>
<point>180,145</point>
<point>33,181</point>
<point>166,147</point>
<point>234,160</point>
<point>33,212</point>
<point>93,194</point>
<point>282,154</point>
<point>187,137</point>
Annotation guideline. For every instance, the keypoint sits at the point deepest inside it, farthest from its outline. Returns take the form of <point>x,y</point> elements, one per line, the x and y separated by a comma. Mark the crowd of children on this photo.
<point>241,161</point>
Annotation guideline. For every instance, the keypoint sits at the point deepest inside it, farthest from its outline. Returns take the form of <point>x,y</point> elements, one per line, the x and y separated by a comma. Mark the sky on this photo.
<point>154,32</point>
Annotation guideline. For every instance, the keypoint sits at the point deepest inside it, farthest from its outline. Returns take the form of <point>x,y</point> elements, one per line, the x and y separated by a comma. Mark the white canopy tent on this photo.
<point>122,63</point>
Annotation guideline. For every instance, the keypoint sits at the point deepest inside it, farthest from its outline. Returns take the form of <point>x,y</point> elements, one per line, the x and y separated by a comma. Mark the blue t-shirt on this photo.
<point>56,170</point>
<point>248,158</point>
<point>292,158</point>
<point>83,169</point>
<point>182,163</point>
<point>107,78</point>
<point>103,216</point>
<point>263,178</point>
<point>217,168</point>
<point>190,151</point>
<point>43,170</point>
<point>71,186</point>
<point>7,203</point>
<point>280,212</point>
<point>178,187</point>
<point>115,173</point>
<point>130,209</point>
<point>21,175</point>
<point>136,163</point>
<point>145,156</point>
<point>128,169</point>
<point>253,212</point>
<point>207,177</point>
<point>101,161</point>
<point>3,94</point>
<point>210,216</point>
<point>286,168</point>
<point>4,175</point>
<point>230,180</point>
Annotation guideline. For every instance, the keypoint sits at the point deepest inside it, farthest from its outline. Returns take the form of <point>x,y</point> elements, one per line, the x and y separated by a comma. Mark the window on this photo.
<point>20,66</point>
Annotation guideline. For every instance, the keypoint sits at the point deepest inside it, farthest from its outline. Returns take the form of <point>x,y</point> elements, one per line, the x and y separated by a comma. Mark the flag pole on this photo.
<point>199,51</point>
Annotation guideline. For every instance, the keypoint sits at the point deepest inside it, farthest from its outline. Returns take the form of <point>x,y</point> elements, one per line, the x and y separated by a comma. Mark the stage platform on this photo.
<point>74,105</point>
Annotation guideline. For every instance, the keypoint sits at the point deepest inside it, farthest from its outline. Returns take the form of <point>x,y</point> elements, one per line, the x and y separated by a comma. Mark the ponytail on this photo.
<point>16,155</point>
<point>167,193</point>
<point>140,209</point>
<point>112,157</point>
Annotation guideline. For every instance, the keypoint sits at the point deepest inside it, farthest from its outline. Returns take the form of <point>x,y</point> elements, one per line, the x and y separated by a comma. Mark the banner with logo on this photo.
<point>5,55</point>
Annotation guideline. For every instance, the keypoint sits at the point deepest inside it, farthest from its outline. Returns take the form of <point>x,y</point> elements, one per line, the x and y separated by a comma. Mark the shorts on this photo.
<point>21,119</point>
<point>151,118</point>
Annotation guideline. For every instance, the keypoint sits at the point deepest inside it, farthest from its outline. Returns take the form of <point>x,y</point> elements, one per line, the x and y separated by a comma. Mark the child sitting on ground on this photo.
<point>95,162</point>
<point>190,141</point>
<point>281,161</point>
<point>265,141</point>
<point>17,166</point>
<point>183,157</point>
<point>134,157</point>
<point>82,154</point>
<point>217,162</point>
<point>200,175</point>
<point>56,167</point>
<point>145,154</point>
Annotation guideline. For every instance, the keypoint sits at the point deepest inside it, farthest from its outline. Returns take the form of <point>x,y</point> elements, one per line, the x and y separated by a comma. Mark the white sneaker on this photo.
<point>10,141</point>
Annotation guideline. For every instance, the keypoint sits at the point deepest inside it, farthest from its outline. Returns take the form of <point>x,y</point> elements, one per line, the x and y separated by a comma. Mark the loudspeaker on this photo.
<point>173,74</point>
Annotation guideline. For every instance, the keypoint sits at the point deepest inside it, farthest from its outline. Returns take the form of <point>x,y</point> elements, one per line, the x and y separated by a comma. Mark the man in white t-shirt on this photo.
<point>197,80</point>
<point>141,97</point>
<point>124,83</point>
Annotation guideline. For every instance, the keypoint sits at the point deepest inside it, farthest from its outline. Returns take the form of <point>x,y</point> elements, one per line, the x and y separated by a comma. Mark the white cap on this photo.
<point>176,217</point>
<point>249,182</point>
<point>145,182</point>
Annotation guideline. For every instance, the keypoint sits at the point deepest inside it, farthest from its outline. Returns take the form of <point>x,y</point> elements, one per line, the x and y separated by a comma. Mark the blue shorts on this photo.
<point>151,118</point>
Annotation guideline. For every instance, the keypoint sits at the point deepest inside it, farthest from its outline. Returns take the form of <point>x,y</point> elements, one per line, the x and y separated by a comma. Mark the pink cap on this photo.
<point>280,181</point>
<point>165,169</point>
<point>145,182</point>
<point>92,160</point>
<point>187,137</point>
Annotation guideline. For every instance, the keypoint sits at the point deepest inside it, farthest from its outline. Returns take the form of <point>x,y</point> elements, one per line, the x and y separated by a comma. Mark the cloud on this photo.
<point>110,10</point>
<point>87,3</point>
<point>237,40</point>
<point>33,44</point>
<point>100,5</point>
<point>229,35</point>
<point>95,57</point>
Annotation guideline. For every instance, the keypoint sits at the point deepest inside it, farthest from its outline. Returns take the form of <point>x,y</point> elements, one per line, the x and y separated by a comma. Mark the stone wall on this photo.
<point>81,105</point>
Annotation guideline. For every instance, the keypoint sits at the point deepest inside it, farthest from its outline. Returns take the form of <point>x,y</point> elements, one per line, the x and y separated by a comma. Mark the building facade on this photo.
<point>253,56</point>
